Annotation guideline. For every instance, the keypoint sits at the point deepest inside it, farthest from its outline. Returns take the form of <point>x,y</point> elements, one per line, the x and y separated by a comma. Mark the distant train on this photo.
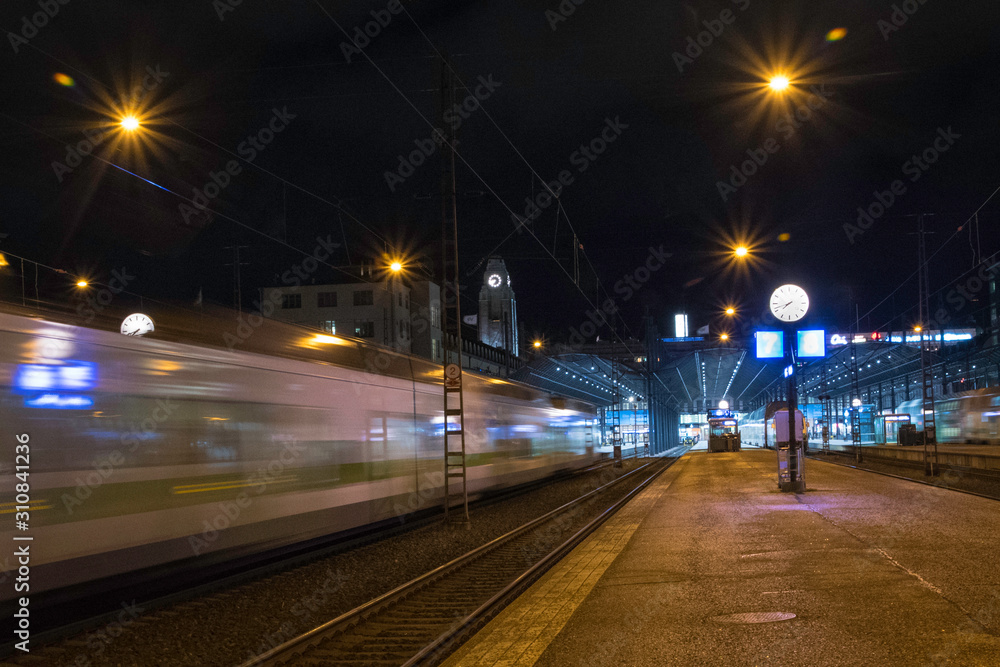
<point>758,431</point>
<point>147,451</point>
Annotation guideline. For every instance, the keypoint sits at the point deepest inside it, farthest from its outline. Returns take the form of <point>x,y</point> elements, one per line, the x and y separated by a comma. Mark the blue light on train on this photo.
<point>69,376</point>
<point>59,402</point>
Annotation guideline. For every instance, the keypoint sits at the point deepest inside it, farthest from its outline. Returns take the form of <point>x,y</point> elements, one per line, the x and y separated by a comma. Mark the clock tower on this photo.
<point>497,308</point>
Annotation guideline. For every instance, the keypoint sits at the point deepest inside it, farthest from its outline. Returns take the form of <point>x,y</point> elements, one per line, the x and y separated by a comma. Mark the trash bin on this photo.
<point>907,434</point>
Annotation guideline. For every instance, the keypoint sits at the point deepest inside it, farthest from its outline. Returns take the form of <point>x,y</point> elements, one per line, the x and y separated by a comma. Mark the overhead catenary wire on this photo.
<point>461,157</point>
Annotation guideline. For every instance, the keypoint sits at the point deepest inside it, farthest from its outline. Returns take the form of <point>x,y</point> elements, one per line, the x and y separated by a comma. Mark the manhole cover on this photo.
<point>754,617</point>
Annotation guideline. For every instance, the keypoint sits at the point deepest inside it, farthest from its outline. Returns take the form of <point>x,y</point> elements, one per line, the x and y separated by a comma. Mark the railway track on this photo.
<point>424,620</point>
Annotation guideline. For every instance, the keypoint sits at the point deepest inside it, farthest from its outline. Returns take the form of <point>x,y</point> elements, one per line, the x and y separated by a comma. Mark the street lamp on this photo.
<point>730,311</point>
<point>741,251</point>
<point>537,344</point>
<point>81,283</point>
<point>130,123</point>
<point>778,83</point>
<point>724,337</point>
<point>396,267</point>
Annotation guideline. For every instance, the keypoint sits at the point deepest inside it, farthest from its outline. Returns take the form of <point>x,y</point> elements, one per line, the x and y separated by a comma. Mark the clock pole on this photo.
<point>795,482</point>
<point>789,312</point>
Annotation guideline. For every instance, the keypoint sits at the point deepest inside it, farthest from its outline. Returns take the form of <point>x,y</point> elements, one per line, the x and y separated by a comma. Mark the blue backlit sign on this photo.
<point>770,344</point>
<point>69,376</point>
<point>812,343</point>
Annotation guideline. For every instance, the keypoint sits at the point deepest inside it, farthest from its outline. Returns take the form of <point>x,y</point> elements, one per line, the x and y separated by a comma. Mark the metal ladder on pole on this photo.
<point>645,424</point>
<point>588,441</point>
<point>926,361</point>
<point>456,491</point>
<point>827,424</point>
<point>616,409</point>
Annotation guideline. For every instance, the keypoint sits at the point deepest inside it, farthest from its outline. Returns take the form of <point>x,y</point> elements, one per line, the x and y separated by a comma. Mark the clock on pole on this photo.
<point>789,303</point>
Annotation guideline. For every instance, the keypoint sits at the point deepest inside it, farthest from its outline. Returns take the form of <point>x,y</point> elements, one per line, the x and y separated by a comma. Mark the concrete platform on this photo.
<point>877,571</point>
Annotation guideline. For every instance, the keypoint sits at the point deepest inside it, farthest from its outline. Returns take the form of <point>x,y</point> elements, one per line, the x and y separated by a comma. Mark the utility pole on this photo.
<point>455,480</point>
<point>926,362</point>
<point>236,264</point>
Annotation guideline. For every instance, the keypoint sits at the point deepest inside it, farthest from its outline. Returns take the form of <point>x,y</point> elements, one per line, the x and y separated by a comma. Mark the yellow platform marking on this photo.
<point>522,632</point>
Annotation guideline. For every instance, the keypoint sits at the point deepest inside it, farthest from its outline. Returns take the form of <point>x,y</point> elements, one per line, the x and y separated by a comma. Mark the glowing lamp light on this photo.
<point>396,267</point>
<point>730,311</point>
<point>63,79</point>
<point>81,283</point>
<point>836,34</point>
<point>537,344</point>
<point>130,123</point>
<point>856,402</point>
<point>723,405</point>
<point>784,236</point>
<point>918,328</point>
<point>724,337</point>
<point>741,251</point>
<point>778,83</point>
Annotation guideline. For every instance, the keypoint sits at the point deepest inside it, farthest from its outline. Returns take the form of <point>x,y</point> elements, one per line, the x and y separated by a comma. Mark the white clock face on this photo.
<point>789,303</point>
<point>494,280</point>
<point>137,324</point>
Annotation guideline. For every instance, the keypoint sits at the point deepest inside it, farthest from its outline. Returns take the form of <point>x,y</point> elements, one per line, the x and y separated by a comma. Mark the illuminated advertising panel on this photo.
<point>770,344</point>
<point>812,343</point>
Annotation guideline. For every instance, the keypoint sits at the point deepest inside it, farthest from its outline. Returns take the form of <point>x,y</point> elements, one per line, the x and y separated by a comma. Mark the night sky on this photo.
<point>206,77</point>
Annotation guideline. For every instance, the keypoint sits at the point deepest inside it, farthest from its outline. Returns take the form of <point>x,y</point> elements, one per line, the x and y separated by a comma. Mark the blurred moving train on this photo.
<point>970,417</point>
<point>148,451</point>
<point>967,417</point>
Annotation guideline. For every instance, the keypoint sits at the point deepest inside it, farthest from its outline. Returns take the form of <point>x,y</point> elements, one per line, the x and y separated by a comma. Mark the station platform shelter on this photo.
<point>712,565</point>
